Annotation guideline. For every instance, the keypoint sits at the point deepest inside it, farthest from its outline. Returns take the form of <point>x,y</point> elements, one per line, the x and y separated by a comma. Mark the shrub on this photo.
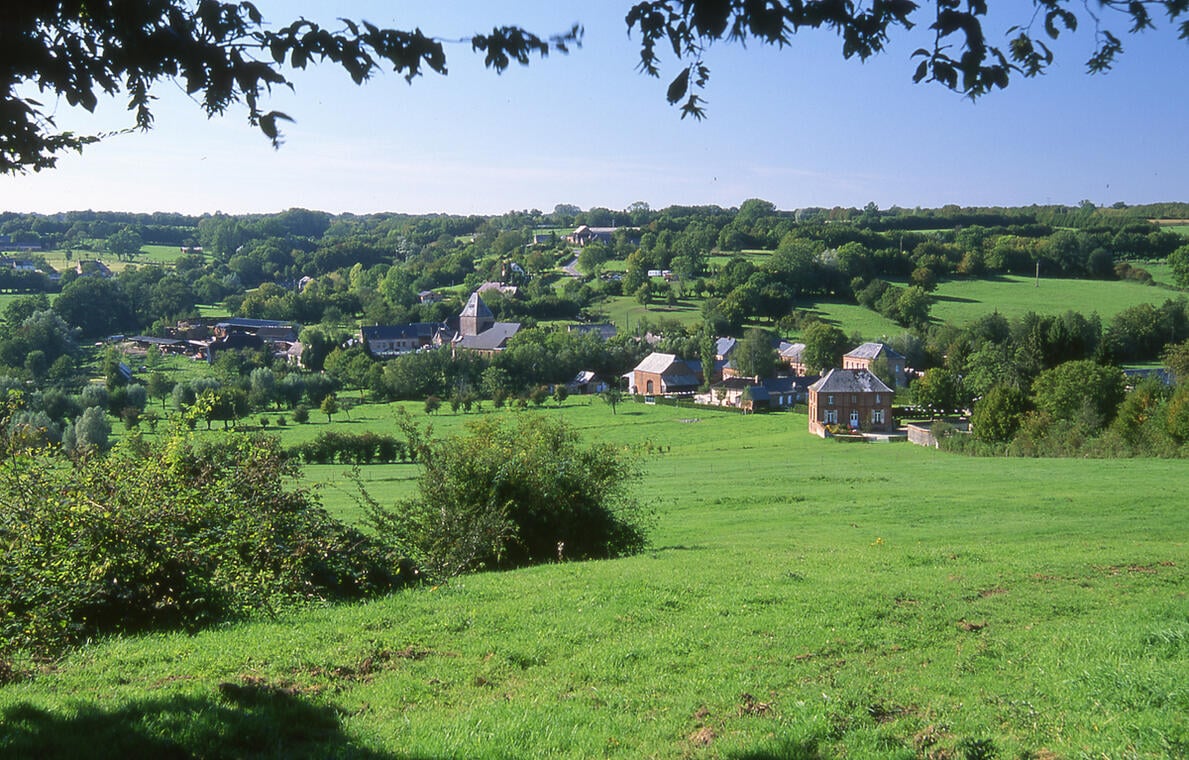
<point>513,494</point>
<point>301,414</point>
<point>179,534</point>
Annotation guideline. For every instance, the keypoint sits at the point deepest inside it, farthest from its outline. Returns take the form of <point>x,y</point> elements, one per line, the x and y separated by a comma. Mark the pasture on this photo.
<point>960,301</point>
<point>802,599</point>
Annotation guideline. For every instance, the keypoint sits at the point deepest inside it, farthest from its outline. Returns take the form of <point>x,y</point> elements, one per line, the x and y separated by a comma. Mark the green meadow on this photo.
<point>801,599</point>
<point>960,301</point>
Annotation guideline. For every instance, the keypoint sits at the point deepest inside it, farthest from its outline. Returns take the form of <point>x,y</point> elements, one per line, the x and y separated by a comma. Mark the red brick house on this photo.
<point>850,399</point>
<point>664,375</point>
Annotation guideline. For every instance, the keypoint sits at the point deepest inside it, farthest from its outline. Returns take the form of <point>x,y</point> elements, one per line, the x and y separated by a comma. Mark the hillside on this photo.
<point>802,598</point>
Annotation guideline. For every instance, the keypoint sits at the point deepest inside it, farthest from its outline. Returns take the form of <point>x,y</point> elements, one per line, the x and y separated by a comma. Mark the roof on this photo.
<point>792,351</point>
<point>400,332</point>
<point>723,346</point>
<point>476,308</point>
<point>492,339</point>
<point>656,362</point>
<point>155,341</point>
<point>252,323</point>
<point>850,381</point>
<point>873,350</point>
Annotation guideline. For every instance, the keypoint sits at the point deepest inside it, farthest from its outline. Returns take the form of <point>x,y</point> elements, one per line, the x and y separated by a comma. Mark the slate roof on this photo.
<point>724,346</point>
<point>792,351</point>
<point>252,323</point>
<point>476,308</point>
<point>492,339</point>
<point>873,350</point>
<point>150,340</point>
<point>424,330</point>
<point>850,381</point>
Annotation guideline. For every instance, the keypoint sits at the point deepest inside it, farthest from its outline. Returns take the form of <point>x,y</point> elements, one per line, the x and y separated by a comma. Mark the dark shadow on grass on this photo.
<point>955,299</point>
<point>781,750</point>
<point>239,721</point>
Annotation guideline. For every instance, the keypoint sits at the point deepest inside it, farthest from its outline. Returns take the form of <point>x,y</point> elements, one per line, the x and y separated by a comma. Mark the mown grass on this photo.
<point>961,301</point>
<point>802,598</point>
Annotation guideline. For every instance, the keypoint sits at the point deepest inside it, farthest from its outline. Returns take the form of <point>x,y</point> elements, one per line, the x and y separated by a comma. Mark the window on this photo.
<point>877,416</point>
<point>877,398</point>
<point>649,388</point>
<point>831,416</point>
<point>830,400</point>
<point>854,420</point>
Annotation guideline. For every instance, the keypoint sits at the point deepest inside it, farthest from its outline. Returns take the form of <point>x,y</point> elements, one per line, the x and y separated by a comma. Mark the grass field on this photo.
<point>802,599</point>
<point>960,301</point>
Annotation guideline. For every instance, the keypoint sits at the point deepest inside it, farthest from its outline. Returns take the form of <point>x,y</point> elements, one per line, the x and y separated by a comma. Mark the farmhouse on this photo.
<point>791,354</point>
<point>583,235</point>
<point>850,399</point>
<point>664,375</point>
<point>865,355</point>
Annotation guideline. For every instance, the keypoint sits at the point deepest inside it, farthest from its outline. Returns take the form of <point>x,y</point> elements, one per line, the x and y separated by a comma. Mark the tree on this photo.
<point>754,356</point>
<point>824,346</point>
<point>612,396</point>
<point>1178,261</point>
<point>329,407</point>
<point>1079,390</point>
<point>223,54</point>
<point>125,244</point>
<point>228,54</point>
<point>997,415</point>
<point>940,390</point>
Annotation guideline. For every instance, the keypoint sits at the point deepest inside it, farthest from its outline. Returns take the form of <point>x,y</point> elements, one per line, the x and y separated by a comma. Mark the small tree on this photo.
<point>329,407</point>
<point>560,394</point>
<point>612,396</point>
<point>432,404</point>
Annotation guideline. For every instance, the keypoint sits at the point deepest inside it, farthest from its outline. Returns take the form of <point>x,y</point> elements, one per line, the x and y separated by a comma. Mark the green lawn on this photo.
<point>802,599</point>
<point>960,301</point>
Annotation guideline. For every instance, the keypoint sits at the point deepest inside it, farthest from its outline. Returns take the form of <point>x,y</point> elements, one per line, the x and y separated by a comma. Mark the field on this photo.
<point>960,301</point>
<point>802,599</point>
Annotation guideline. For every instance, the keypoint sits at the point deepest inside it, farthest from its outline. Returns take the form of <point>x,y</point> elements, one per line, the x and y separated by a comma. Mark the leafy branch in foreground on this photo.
<point>221,54</point>
<point>514,493</point>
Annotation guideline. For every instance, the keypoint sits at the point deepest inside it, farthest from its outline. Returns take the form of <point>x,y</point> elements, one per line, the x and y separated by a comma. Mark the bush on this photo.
<point>179,534</point>
<point>509,494</point>
<point>301,414</point>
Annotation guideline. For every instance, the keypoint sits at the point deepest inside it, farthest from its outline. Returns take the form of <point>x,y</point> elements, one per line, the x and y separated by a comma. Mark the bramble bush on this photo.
<point>172,535</point>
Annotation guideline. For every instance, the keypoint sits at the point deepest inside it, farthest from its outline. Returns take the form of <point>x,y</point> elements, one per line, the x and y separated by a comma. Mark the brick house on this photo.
<point>664,375</point>
<point>863,356</point>
<point>853,399</point>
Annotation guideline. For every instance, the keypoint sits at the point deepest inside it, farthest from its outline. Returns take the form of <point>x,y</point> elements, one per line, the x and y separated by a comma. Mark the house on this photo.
<point>387,341</point>
<point>479,332</point>
<point>850,399</point>
<point>745,393</point>
<point>583,235</point>
<point>269,330</point>
<point>429,296</point>
<point>863,357</point>
<point>792,355</point>
<point>665,375</point>
<point>505,290</point>
<point>92,268</point>
<point>584,383</point>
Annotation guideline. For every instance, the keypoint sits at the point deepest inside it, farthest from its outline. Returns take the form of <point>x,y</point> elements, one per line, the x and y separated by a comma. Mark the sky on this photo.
<point>798,127</point>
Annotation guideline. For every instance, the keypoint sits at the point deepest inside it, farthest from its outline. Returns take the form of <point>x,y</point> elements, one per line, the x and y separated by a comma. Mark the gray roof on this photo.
<point>873,350</point>
<point>492,339</point>
<point>476,308</point>
<point>656,362</point>
<point>424,330</point>
<point>792,351</point>
<point>850,381</point>
<point>723,346</point>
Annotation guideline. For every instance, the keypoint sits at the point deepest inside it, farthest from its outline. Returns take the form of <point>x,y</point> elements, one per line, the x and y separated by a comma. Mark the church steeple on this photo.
<point>475,317</point>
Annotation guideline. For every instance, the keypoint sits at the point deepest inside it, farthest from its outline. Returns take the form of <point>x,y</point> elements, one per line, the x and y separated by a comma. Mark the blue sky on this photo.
<point>798,127</point>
